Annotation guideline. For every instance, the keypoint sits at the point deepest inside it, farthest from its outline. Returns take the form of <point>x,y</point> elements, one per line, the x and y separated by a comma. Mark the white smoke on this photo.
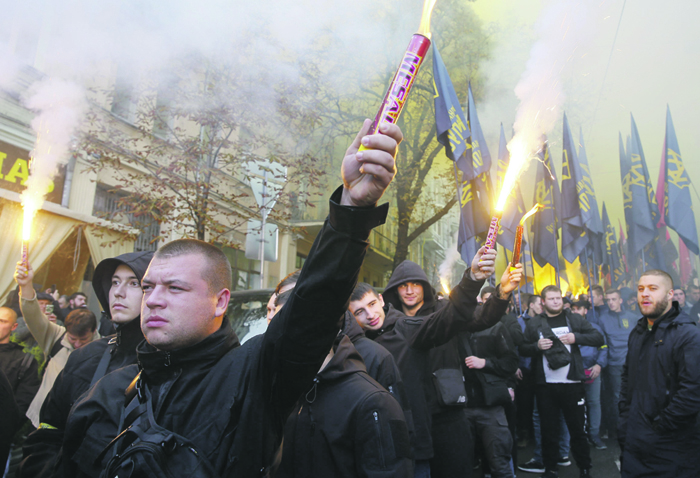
<point>446,268</point>
<point>563,26</point>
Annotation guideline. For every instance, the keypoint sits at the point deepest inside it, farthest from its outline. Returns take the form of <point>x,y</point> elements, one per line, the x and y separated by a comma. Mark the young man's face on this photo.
<point>536,307</point>
<point>368,311</point>
<point>679,296</point>
<point>553,303</point>
<point>614,301</point>
<point>271,309</point>
<point>178,308</point>
<point>695,294</point>
<point>654,295</point>
<point>580,310</point>
<point>79,302</point>
<point>78,341</point>
<point>597,298</point>
<point>411,294</point>
<point>125,295</point>
<point>7,325</point>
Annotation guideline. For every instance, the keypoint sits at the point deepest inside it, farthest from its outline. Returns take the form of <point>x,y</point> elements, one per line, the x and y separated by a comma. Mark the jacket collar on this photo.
<point>201,355</point>
<point>673,317</point>
<point>129,335</point>
<point>345,361</point>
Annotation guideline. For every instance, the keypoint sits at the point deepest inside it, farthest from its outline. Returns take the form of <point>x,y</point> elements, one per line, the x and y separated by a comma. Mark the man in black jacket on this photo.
<point>490,361</point>
<point>660,394</point>
<point>346,425</point>
<point>409,339</point>
<point>230,402</point>
<point>117,285</point>
<point>20,368</point>
<point>553,339</point>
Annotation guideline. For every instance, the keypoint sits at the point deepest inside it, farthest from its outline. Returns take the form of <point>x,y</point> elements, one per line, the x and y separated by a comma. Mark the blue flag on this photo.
<point>612,257</point>
<point>454,134</point>
<point>645,216</point>
<point>545,223</point>
<point>594,227</point>
<point>678,205</point>
<point>476,144</point>
<point>451,124</point>
<point>575,206</point>
<point>625,166</point>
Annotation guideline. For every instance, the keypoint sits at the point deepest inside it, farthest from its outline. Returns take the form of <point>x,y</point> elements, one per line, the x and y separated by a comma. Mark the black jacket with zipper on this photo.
<point>232,401</point>
<point>43,446</point>
<point>346,426</point>
<point>659,429</point>
<point>583,331</point>
<point>409,339</point>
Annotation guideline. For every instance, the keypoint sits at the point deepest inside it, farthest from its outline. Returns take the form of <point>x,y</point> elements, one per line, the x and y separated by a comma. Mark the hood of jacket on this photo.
<point>405,272</point>
<point>345,361</point>
<point>102,278</point>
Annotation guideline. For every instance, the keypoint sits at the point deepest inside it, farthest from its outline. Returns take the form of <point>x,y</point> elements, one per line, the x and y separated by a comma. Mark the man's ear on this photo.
<point>14,326</point>
<point>381,299</point>
<point>222,298</point>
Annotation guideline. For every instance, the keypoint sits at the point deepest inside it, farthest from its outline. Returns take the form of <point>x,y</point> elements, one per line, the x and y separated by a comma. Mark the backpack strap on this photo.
<point>104,361</point>
<point>24,366</point>
<point>57,346</point>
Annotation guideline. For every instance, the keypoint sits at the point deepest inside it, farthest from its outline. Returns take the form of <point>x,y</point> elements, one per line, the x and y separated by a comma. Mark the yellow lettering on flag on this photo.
<point>467,193</point>
<point>675,170</point>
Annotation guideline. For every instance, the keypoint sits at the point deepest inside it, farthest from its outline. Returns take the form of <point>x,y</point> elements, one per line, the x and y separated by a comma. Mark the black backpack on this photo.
<point>144,449</point>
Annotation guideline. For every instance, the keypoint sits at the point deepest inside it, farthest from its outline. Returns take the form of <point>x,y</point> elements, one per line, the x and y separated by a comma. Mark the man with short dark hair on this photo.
<point>660,394</point>
<point>21,370</point>
<point>598,302</point>
<point>77,300</point>
<point>410,338</point>
<point>56,341</point>
<point>616,323</point>
<point>679,296</point>
<point>553,339</point>
<point>226,403</point>
<point>117,285</point>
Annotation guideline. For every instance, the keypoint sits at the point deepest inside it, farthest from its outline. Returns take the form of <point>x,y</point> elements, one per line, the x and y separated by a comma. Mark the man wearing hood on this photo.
<point>346,425</point>
<point>117,285</point>
<point>410,338</point>
<point>660,394</point>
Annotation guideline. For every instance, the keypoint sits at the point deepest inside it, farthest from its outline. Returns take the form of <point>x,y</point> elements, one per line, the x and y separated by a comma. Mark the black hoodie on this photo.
<point>409,339</point>
<point>43,445</point>
<point>346,425</point>
<point>409,271</point>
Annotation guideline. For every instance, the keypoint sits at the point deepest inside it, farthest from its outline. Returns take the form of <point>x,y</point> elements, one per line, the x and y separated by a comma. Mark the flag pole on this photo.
<point>644,262</point>
<point>459,200</point>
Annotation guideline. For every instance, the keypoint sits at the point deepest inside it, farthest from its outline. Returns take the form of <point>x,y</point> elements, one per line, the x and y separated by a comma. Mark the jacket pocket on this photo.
<point>378,431</point>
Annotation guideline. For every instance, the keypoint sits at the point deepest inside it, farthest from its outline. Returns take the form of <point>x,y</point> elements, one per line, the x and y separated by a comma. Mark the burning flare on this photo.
<point>445,285</point>
<point>30,205</point>
<point>519,235</point>
<point>531,212</point>
<point>424,28</point>
<point>518,158</point>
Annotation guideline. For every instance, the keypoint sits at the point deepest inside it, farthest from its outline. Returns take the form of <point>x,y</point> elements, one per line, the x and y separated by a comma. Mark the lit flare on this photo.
<point>445,285</point>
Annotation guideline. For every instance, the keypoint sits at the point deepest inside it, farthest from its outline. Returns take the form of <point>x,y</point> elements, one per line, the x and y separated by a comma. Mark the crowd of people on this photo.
<point>347,381</point>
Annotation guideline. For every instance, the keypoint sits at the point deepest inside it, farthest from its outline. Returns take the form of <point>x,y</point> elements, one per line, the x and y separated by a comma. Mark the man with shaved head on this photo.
<point>660,394</point>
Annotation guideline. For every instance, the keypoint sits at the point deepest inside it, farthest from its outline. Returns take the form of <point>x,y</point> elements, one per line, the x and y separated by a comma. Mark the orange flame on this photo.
<point>445,285</point>
<point>30,205</point>
<point>518,159</point>
<point>424,28</point>
<point>531,212</point>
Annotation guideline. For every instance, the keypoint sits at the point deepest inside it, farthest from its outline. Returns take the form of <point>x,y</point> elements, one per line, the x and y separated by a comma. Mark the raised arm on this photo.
<point>44,331</point>
<point>301,334</point>
<point>461,312</point>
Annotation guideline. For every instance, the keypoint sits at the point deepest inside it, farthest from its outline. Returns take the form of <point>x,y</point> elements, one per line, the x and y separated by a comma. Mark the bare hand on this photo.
<point>568,339</point>
<point>595,371</point>
<point>519,374</point>
<point>475,362</point>
<point>24,276</point>
<point>484,263</point>
<point>367,174</point>
<point>544,344</point>
<point>511,279</point>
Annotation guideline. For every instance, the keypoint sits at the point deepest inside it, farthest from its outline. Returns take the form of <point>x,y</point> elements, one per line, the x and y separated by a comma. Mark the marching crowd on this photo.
<point>347,382</point>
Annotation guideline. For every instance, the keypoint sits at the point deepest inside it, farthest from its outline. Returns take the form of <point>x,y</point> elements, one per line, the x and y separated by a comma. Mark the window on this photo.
<point>245,272</point>
<point>107,206</point>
